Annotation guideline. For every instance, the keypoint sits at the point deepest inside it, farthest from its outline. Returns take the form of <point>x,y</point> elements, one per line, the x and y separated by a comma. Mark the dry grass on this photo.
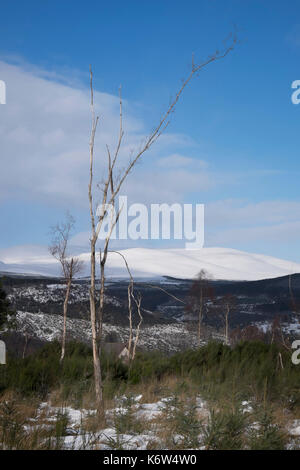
<point>164,427</point>
<point>92,423</point>
<point>26,409</point>
<point>153,391</point>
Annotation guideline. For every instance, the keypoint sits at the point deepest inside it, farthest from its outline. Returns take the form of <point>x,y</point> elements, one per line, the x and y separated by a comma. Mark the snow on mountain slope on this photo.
<point>221,263</point>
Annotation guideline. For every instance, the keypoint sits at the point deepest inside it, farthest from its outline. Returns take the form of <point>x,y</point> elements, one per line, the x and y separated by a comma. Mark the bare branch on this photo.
<point>70,266</point>
<point>164,121</point>
<point>110,189</point>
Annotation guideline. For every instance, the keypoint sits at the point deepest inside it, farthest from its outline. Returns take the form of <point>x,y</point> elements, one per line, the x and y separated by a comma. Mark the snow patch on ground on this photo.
<point>294,429</point>
<point>108,438</point>
<point>169,337</point>
<point>56,293</point>
<point>75,437</point>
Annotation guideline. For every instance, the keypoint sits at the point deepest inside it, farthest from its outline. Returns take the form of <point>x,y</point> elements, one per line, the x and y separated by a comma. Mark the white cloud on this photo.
<point>44,134</point>
<point>278,234</point>
<point>236,221</point>
<point>242,212</point>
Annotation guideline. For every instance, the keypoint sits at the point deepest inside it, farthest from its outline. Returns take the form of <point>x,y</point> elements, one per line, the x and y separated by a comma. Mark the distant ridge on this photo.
<point>220,263</point>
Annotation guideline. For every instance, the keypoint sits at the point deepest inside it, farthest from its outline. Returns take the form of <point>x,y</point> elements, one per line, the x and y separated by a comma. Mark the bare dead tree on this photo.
<point>70,266</point>
<point>152,286</point>
<point>137,299</point>
<point>111,187</point>
<point>227,305</point>
<point>248,333</point>
<point>26,341</point>
<point>200,294</point>
<point>138,302</point>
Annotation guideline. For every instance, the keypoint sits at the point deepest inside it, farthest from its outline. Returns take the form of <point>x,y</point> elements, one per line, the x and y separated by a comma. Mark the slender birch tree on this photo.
<point>135,299</point>
<point>70,266</point>
<point>200,294</point>
<point>227,305</point>
<point>111,186</point>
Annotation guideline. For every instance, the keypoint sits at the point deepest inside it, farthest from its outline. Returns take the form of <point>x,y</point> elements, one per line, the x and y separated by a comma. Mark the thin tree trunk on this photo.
<point>280,360</point>
<point>101,300</point>
<point>95,345</point>
<point>226,326</point>
<point>200,318</point>
<point>138,305</point>
<point>199,325</point>
<point>25,346</point>
<point>95,337</point>
<point>272,337</point>
<point>63,342</point>
<point>130,321</point>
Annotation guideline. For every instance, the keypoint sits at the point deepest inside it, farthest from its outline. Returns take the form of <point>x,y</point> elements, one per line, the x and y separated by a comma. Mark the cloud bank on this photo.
<point>44,135</point>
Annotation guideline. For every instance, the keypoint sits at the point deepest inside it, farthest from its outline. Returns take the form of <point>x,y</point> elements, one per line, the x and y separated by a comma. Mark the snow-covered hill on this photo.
<point>221,263</point>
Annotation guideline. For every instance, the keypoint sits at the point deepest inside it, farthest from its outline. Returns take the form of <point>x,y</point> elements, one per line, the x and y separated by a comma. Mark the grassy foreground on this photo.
<point>250,396</point>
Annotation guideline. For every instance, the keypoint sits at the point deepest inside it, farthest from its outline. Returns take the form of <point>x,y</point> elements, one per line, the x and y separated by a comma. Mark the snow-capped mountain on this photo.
<point>220,263</point>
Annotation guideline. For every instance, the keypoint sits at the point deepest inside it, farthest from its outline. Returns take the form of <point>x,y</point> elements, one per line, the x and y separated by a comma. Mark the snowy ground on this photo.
<point>108,438</point>
<point>56,293</point>
<point>169,338</point>
<point>75,437</point>
<point>291,328</point>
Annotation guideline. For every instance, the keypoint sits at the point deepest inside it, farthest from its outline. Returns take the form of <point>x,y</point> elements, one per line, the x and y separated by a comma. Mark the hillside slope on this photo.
<point>221,263</point>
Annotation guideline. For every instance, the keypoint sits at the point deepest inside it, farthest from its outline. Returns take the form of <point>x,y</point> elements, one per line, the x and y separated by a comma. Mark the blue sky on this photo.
<point>237,117</point>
